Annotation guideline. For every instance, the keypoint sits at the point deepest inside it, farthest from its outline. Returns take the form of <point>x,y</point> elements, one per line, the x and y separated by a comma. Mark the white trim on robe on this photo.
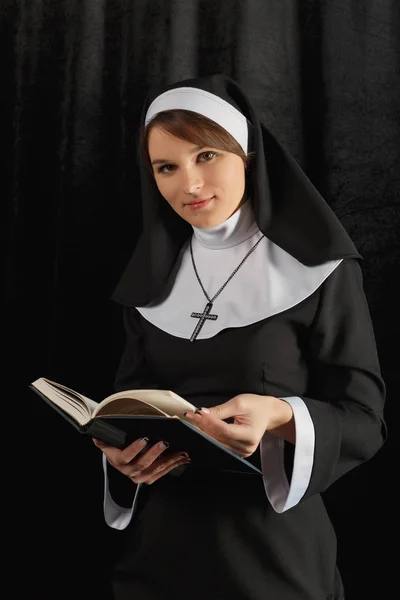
<point>116,516</point>
<point>280,493</point>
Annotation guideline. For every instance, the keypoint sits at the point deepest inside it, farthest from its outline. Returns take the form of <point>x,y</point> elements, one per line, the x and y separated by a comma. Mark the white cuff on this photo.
<point>117,517</point>
<point>281,495</point>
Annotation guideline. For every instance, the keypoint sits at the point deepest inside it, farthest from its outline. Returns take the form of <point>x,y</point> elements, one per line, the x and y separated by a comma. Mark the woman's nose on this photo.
<point>192,182</point>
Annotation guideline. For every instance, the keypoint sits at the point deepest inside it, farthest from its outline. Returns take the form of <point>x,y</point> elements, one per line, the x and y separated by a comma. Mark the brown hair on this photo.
<point>195,128</point>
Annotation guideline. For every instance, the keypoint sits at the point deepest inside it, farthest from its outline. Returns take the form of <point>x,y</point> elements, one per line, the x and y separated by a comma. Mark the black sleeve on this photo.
<point>346,392</point>
<point>132,373</point>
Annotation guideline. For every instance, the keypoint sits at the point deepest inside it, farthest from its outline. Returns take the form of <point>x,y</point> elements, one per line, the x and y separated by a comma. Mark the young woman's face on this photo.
<point>205,186</point>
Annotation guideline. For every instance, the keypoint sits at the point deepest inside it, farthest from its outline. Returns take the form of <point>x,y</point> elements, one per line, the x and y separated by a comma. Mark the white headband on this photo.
<point>206,104</point>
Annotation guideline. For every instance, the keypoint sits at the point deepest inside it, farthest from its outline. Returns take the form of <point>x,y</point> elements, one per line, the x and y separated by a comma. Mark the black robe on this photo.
<point>199,536</point>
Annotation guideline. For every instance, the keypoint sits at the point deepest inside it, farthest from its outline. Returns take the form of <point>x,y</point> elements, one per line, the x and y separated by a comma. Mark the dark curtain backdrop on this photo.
<point>325,77</point>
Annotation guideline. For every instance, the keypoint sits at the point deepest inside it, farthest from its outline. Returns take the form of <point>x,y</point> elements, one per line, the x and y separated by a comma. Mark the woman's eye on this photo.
<point>203,157</point>
<point>208,155</point>
<point>165,169</point>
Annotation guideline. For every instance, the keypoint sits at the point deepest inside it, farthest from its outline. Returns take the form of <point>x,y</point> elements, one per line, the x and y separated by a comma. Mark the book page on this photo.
<point>128,406</point>
<point>77,406</point>
<point>167,402</point>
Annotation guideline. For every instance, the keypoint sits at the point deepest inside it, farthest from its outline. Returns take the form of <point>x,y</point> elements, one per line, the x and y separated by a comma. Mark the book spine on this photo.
<point>107,433</point>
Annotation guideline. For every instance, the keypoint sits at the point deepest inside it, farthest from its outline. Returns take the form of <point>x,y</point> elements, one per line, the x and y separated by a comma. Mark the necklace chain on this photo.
<point>211,300</point>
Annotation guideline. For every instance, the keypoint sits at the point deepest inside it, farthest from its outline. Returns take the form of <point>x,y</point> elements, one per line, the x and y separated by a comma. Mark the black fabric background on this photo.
<point>325,77</point>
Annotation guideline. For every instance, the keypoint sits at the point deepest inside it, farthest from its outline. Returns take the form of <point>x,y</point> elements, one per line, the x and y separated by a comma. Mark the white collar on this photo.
<point>268,283</point>
<point>235,230</point>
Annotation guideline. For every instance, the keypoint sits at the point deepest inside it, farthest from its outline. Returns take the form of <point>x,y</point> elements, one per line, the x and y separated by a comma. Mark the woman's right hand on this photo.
<point>146,468</point>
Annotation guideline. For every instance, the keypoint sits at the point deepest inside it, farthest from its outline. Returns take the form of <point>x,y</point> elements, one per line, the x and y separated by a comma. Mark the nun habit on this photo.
<point>293,322</point>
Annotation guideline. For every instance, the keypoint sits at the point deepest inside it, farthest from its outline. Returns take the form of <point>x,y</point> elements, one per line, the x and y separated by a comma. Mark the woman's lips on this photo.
<point>197,204</point>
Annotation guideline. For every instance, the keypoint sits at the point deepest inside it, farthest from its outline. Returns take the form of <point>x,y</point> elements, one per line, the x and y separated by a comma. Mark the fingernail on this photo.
<point>144,441</point>
<point>187,415</point>
<point>184,454</point>
<point>164,445</point>
<point>198,411</point>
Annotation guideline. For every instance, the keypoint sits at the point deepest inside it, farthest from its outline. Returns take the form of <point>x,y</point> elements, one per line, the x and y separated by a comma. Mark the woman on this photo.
<point>244,295</point>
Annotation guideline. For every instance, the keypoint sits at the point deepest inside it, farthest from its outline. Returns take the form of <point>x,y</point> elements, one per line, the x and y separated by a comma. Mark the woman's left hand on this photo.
<point>252,414</point>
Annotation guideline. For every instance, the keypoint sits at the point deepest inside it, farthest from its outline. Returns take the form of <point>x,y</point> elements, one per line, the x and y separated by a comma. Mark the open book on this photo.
<point>126,416</point>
